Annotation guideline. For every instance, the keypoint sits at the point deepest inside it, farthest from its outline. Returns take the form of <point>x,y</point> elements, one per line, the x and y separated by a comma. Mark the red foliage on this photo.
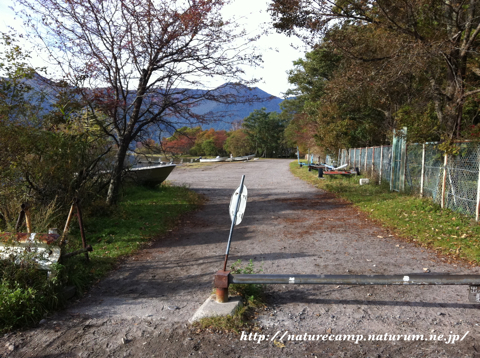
<point>180,145</point>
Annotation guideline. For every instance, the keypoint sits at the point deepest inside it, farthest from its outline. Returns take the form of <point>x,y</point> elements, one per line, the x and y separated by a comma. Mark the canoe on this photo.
<point>151,175</point>
<point>214,160</point>
<point>245,157</point>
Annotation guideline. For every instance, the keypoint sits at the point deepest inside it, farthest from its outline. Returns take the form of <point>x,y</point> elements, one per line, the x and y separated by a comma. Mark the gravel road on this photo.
<point>142,309</point>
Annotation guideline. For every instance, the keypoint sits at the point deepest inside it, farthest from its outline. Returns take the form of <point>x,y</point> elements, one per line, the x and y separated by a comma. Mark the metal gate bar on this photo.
<point>409,279</point>
<point>223,279</point>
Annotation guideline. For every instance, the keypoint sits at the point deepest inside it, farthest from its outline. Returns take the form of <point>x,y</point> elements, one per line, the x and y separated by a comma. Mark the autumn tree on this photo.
<point>427,45</point>
<point>48,151</point>
<point>134,60</point>
<point>209,142</point>
<point>237,143</point>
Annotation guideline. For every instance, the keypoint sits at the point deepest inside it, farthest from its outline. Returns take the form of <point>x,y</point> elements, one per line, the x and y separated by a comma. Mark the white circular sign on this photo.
<point>241,207</point>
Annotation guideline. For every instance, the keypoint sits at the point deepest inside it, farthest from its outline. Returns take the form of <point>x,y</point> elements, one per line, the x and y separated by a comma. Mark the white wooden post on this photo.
<point>422,175</point>
<point>381,164</point>
<point>477,209</point>
<point>366,157</point>
<point>442,204</point>
<point>373,160</point>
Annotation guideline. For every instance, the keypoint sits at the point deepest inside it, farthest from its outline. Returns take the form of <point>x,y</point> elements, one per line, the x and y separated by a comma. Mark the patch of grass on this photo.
<point>27,294</point>
<point>142,214</point>
<point>253,299</point>
<point>240,321</point>
<point>253,294</point>
<point>418,219</point>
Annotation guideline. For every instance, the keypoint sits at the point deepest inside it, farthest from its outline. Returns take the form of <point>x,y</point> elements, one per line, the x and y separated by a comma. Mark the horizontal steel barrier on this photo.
<point>409,279</point>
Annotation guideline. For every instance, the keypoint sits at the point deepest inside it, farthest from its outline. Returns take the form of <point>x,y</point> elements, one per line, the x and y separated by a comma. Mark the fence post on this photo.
<point>477,209</point>
<point>422,174</point>
<point>442,204</point>
<point>354,156</point>
<point>373,160</point>
<point>403,164</point>
<point>360,160</point>
<point>381,164</point>
<point>366,157</point>
<point>392,164</point>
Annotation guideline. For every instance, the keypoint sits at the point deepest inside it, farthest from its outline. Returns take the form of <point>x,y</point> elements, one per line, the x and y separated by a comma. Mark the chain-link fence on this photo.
<point>461,179</point>
<point>414,167</point>
<point>451,181</point>
<point>386,163</point>
<point>433,170</point>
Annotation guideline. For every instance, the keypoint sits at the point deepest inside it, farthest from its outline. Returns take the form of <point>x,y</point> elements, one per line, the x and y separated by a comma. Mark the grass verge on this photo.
<point>27,294</point>
<point>417,219</point>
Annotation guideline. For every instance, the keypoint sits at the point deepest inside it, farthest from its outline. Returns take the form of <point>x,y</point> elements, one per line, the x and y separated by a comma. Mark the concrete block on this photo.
<point>364,181</point>
<point>211,308</point>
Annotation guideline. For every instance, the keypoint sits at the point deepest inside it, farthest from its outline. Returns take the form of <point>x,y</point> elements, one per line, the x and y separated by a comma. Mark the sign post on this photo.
<point>237,207</point>
<point>238,203</point>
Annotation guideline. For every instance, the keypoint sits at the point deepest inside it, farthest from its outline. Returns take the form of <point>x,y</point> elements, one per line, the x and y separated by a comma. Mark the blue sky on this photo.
<point>277,53</point>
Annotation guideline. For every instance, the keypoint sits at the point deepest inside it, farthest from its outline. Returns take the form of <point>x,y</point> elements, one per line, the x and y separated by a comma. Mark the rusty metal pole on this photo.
<point>221,286</point>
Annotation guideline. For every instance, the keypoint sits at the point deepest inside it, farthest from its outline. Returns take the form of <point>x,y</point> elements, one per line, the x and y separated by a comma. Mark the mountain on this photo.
<point>252,98</point>
<point>237,101</point>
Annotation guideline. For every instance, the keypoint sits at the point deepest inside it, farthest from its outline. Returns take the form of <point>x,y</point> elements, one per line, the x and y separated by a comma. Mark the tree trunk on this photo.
<point>116,179</point>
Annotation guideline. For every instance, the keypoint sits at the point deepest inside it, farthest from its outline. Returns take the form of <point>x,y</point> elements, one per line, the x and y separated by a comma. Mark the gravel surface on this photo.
<point>142,309</point>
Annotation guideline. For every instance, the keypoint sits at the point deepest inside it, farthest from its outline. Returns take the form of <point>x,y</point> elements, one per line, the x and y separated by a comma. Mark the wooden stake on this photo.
<point>27,221</point>
<point>67,224</point>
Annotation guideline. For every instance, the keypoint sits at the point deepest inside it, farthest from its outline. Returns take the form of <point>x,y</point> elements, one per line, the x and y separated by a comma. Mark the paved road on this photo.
<point>289,228</point>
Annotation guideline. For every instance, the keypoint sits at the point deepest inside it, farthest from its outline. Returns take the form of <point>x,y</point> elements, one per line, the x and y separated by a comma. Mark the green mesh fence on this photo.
<point>413,170</point>
<point>432,181</point>
<point>461,179</point>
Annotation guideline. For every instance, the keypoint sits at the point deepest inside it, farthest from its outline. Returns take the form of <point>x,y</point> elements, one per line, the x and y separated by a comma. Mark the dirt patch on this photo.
<point>289,227</point>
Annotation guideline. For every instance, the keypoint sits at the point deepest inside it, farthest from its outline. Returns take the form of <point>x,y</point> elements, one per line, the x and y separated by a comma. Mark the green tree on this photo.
<point>208,147</point>
<point>265,132</point>
<point>40,161</point>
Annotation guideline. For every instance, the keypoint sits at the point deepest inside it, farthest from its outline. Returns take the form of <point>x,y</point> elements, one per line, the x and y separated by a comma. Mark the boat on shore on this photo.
<point>213,160</point>
<point>151,175</point>
<point>245,157</point>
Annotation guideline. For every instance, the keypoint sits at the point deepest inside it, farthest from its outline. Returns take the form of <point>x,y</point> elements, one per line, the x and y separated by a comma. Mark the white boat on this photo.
<point>245,157</point>
<point>214,160</point>
<point>151,175</point>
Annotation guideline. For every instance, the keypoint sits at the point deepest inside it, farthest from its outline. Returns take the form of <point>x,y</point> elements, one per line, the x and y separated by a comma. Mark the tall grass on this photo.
<point>28,294</point>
